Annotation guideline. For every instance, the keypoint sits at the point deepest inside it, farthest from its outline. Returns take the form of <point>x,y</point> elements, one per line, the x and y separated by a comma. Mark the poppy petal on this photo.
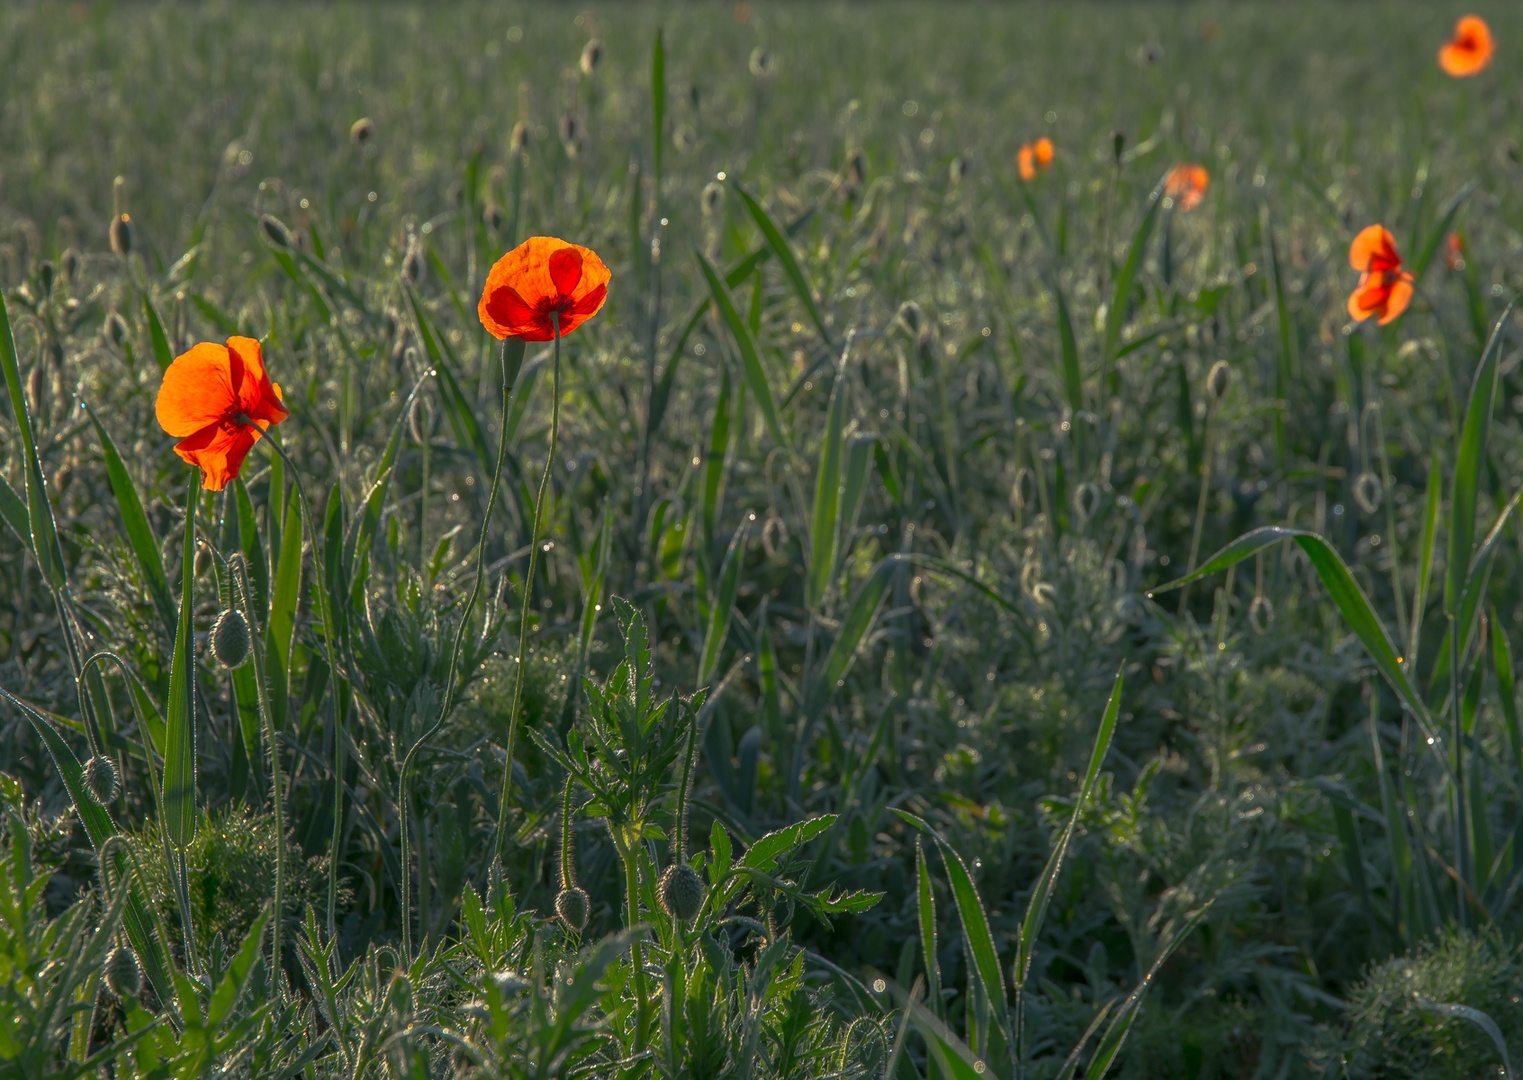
<point>589,304</point>
<point>1373,249</point>
<point>1399,297</point>
<point>507,309</point>
<point>566,270</point>
<point>197,390</point>
<point>1023,163</point>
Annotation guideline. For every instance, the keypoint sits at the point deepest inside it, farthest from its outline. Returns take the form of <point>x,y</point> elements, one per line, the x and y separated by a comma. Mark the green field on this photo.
<point>842,585</point>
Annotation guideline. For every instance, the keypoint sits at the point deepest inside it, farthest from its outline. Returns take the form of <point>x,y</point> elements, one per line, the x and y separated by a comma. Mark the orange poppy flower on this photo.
<point>1186,185</point>
<point>218,400</point>
<point>541,278</point>
<point>1469,50</point>
<point>1035,157</point>
<point>1384,288</point>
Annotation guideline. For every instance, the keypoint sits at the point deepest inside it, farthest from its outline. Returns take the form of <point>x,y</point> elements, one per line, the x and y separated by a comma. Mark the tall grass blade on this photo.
<point>825,531</point>
<point>145,546</point>
<point>756,376</point>
<point>795,273</point>
<point>1073,374</point>
<point>1286,359</point>
<point>1440,230</point>
<point>1396,830</point>
<point>42,530</point>
<point>281,630</point>
<point>1425,559</point>
<point>714,463</point>
<point>13,511</point>
<point>180,713</point>
<point>853,631</point>
<point>953,1058</point>
<point>1507,690</point>
<point>926,910</point>
<point>1115,315</point>
<point>723,606</point>
<point>162,354</point>
<point>1468,466</point>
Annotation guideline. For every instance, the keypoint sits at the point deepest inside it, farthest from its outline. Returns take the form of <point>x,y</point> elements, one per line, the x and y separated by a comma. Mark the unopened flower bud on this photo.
<point>492,215</point>
<point>115,329</point>
<point>121,234</point>
<point>123,976</point>
<point>361,131</point>
<point>592,56</point>
<point>277,233</point>
<point>230,638</point>
<point>522,133</point>
<point>1118,144</point>
<point>1219,380</point>
<point>761,64</point>
<point>681,891</point>
<point>100,778</point>
<point>46,273</point>
<point>68,262</point>
<point>571,906</point>
<point>713,195</point>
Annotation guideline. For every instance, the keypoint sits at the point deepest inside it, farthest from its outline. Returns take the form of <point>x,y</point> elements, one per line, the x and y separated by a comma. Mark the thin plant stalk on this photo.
<point>523,617</point>
<point>277,794</point>
<point>636,951</point>
<point>1462,853</point>
<point>1208,452</point>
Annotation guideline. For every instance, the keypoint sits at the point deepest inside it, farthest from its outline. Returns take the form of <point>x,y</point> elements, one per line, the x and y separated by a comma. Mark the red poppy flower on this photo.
<point>1186,185</point>
<point>540,279</point>
<point>1384,288</point>
<point>218,400</point>
<point>1034,157</point>
<point>1469,50</point>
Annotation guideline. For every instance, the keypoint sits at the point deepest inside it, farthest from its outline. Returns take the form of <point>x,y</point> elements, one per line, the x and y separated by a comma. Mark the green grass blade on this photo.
<point>714,463</point>
<point>145,546</point>
<point>13,510</point>
<point>825,531</point>
<point>253,549</point>
<point>1507,689</point>
<point>457,408</point>
<point>1115,316</point>
<point>1073,374</point>
<point>1041,896</point>
<point>756,376</point>
<point>43,531</point>
<point>1425,558</point>
<point>954,1059</point>
<point>926,910</point>
<point>363,527</point>
<point>282,626</point>
<point>853,631</point>
<point>180,713</point>
<point>1467,470</point>
<point>975,923</point>
<point>1436,235</point>
<point>1121,1022</point>
<point>859,457</point>
<point>795,273</point>
<point>162,353</point>
<point>658,103</point>
<point>723,606</point>
<point>1286,359</point>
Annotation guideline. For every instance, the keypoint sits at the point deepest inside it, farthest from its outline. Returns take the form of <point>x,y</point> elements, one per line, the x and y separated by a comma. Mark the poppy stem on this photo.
<point>523,617</point>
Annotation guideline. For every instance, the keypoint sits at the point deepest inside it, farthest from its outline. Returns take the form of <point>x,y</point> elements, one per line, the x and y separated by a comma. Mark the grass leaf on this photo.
<point>180,713</point>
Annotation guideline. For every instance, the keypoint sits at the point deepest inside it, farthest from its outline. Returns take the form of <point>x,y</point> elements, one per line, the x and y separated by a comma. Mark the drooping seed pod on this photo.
<point>34,381</point>
<point>571,905</point>
<point>958,170</point>
<point>68,262</point>
<point>46,274</point>
<point>412,265</point>
<point>1219,380</point>
<point>569,132</point>
<point>1118,144</point>
<point>276,231</point>
<point>362,131</point>
<point>231,640</point>
<point>592,56</point>
<point>100,779</point>
<point>1367,492</point>
<point>912,318</point>
<point>522,133</point>
<point>761,64</point>
<point>121,235</point>
<point>681,892</point>
<point>123,976</point>
<point>493,217</point>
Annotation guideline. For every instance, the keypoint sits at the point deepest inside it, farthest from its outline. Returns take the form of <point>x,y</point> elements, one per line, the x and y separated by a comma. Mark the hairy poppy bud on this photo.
<point>1219,380</point>
<point>412,266</point>
<point>276,231</point>
<point>492,215</point>
<point>46,273</point>
<point>100,778</point>
<point>681,891</point>
<point>121,234</point>
<point>124,977</point>
<point>34,388</point>
<point>762,65</point>
<point>913,319</point>
<point>1118,144</point>
<point>571,906</point>
<point>592,56</point>
<point>1367,492</point>
<point>522,133</point>
<point>568,130</point>
<point>361,131</point>
<point>68,262</point>
<point>115,329</point>
<point>230,638</point>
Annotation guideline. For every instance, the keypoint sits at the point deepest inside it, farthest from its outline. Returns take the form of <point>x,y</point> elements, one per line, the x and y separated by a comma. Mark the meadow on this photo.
<point>971,602</point>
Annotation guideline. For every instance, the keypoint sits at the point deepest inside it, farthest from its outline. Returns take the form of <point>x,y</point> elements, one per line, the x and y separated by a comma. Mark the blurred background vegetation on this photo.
<point>1037,459</point>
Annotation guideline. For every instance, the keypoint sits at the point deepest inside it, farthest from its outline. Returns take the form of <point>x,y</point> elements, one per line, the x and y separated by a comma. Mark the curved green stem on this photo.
<point>523,617</point>
<point>636,951</point>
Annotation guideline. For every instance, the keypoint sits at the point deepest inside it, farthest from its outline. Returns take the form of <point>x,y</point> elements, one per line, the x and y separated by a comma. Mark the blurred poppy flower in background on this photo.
<point>1384,288</point>
<point>539,279</point>
<point>1469,50</point>
<point>1033,158</point>
<point>218,400</point>
<point>1186,185</point>
<point>1454,251</point>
